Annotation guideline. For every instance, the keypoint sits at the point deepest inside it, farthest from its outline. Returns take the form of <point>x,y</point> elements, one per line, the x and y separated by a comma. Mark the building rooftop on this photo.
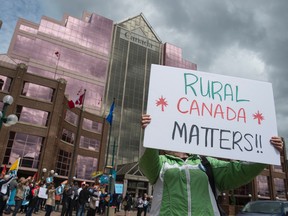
<point>8,62</point>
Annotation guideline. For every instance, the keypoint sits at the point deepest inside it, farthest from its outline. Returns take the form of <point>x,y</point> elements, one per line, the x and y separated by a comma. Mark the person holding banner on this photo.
<point>181,186</point>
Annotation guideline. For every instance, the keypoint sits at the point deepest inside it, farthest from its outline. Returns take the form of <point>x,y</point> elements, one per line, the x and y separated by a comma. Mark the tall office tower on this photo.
<point>78,51</point>
<point>135,47</point>
<point>73,49</point>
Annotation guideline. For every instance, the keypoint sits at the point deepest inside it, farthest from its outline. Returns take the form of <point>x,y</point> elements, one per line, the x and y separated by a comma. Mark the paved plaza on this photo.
<point>121,213</point>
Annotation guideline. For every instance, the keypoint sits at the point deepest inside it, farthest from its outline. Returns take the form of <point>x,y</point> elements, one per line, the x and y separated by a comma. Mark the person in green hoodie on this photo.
<point>181,185</point>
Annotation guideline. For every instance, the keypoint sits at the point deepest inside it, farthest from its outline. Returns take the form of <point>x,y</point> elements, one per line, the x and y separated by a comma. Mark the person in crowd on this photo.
<point>145,204</point>
<point>75,195</point>
<point>57,202</point>
<point>40,203</point>
<point>127,203</point>
<point>11,200</point>
<point>181,186</point>
<point>50,202</point>
<point>4,191</point>
<point>93,200</point>
<point>118,202</point>
<point>20,193</point>
<point>33,198</point>
<point>78,192</point>
<point>139,205</point>
<point>26,198</point>
<point>67,201</point>
<point>102,203</point>
<point>83,199</point>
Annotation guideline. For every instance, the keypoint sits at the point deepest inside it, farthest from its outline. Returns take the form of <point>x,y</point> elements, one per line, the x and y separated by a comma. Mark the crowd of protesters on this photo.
<point>28,196</point>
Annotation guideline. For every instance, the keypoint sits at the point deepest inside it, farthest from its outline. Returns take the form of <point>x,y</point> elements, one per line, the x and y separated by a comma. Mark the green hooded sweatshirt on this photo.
<point>181,187</point>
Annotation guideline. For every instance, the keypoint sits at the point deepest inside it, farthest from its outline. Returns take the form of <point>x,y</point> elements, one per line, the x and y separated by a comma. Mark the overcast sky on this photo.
<point>243,38</point>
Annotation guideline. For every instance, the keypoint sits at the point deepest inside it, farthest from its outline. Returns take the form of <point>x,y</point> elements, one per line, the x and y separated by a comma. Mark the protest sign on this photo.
<point>42,193</point>
<point>211,114</point>
<point>119,188</point>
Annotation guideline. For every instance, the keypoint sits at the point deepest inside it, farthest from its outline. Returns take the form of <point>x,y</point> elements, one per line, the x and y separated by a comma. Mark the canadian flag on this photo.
<point>78,100</point>
<point>57,54</point>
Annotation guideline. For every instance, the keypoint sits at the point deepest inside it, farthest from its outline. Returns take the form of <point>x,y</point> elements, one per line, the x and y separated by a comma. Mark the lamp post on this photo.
<point>51,173</point>
<point>10,119</point>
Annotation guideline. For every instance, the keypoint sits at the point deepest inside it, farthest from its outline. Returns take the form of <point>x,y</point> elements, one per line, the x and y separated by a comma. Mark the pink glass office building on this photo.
<point>110,60</point>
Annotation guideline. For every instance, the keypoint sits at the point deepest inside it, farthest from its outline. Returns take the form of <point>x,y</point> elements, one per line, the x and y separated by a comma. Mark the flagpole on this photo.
<point>108,145</point>
<point>109,137</point>
<point>58,59</point>
<point>76,143</point>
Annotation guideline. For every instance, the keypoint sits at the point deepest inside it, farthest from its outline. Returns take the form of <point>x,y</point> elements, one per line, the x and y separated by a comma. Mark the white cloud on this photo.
<point>238,62</point>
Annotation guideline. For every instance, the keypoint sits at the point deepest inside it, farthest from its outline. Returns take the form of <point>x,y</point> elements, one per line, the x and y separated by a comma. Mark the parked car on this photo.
<point>265,207</point>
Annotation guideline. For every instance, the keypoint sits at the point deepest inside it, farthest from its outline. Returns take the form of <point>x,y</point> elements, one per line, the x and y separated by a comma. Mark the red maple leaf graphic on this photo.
<point>161,102</point>
<point>259,116</point>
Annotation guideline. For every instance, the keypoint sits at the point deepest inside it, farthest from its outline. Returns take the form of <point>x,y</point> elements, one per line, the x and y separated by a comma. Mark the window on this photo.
<point>92,125</point>
<point>85,166</point>
<point>280,188</point>
<point>26,146</point>
<point>32,116</point>
<point>68,136</point>
<point>63,162</point>
<point>263,186</point>
<point>71,117</point>
<point>89,143</point>
<point>37,91</point>
<point>5,83</point>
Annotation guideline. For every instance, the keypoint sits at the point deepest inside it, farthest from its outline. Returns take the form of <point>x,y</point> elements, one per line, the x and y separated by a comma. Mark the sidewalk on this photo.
<point>121,213</point>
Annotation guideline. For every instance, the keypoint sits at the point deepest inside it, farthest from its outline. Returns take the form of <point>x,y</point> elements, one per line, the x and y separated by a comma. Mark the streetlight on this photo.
<point>10,119</point>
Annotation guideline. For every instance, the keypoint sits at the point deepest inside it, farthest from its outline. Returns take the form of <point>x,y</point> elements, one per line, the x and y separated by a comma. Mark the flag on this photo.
<point>4,170</point>
<point>57,54</point>
<point>15,165</point>
<point>64,183</point>
<point>96,174</point>
<point>109,118</point>
<point>59,190</point>
<point>49,179</point>
<point>104,179</point>
<point>79,100</point>
<point>113,173</point>
<point>35,176</point>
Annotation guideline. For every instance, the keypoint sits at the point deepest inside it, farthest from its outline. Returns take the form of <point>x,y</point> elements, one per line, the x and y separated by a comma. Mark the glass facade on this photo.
<point>63,163</point>
<point>85,166</point>
<point>91,125</point>
<point>38,92</point>
<point>133,54</point>
<point>26,146</point>
<point>76,50</point>
<point>5,83</point>
<point>263,186</point>
<point>32,116</point>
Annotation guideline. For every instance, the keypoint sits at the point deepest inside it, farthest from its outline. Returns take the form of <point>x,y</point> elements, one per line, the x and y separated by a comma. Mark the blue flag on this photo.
<point>59,190</point>
<point>109,118</point>
<point>104,179</point>
<point>49,179</point>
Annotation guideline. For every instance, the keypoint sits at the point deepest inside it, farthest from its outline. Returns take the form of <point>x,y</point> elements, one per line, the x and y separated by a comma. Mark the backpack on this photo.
<point>209,173</point>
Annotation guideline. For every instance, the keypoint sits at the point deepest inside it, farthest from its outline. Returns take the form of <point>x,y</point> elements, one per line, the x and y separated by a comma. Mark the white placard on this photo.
<point>211,114</point>
<point>42,193</point>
